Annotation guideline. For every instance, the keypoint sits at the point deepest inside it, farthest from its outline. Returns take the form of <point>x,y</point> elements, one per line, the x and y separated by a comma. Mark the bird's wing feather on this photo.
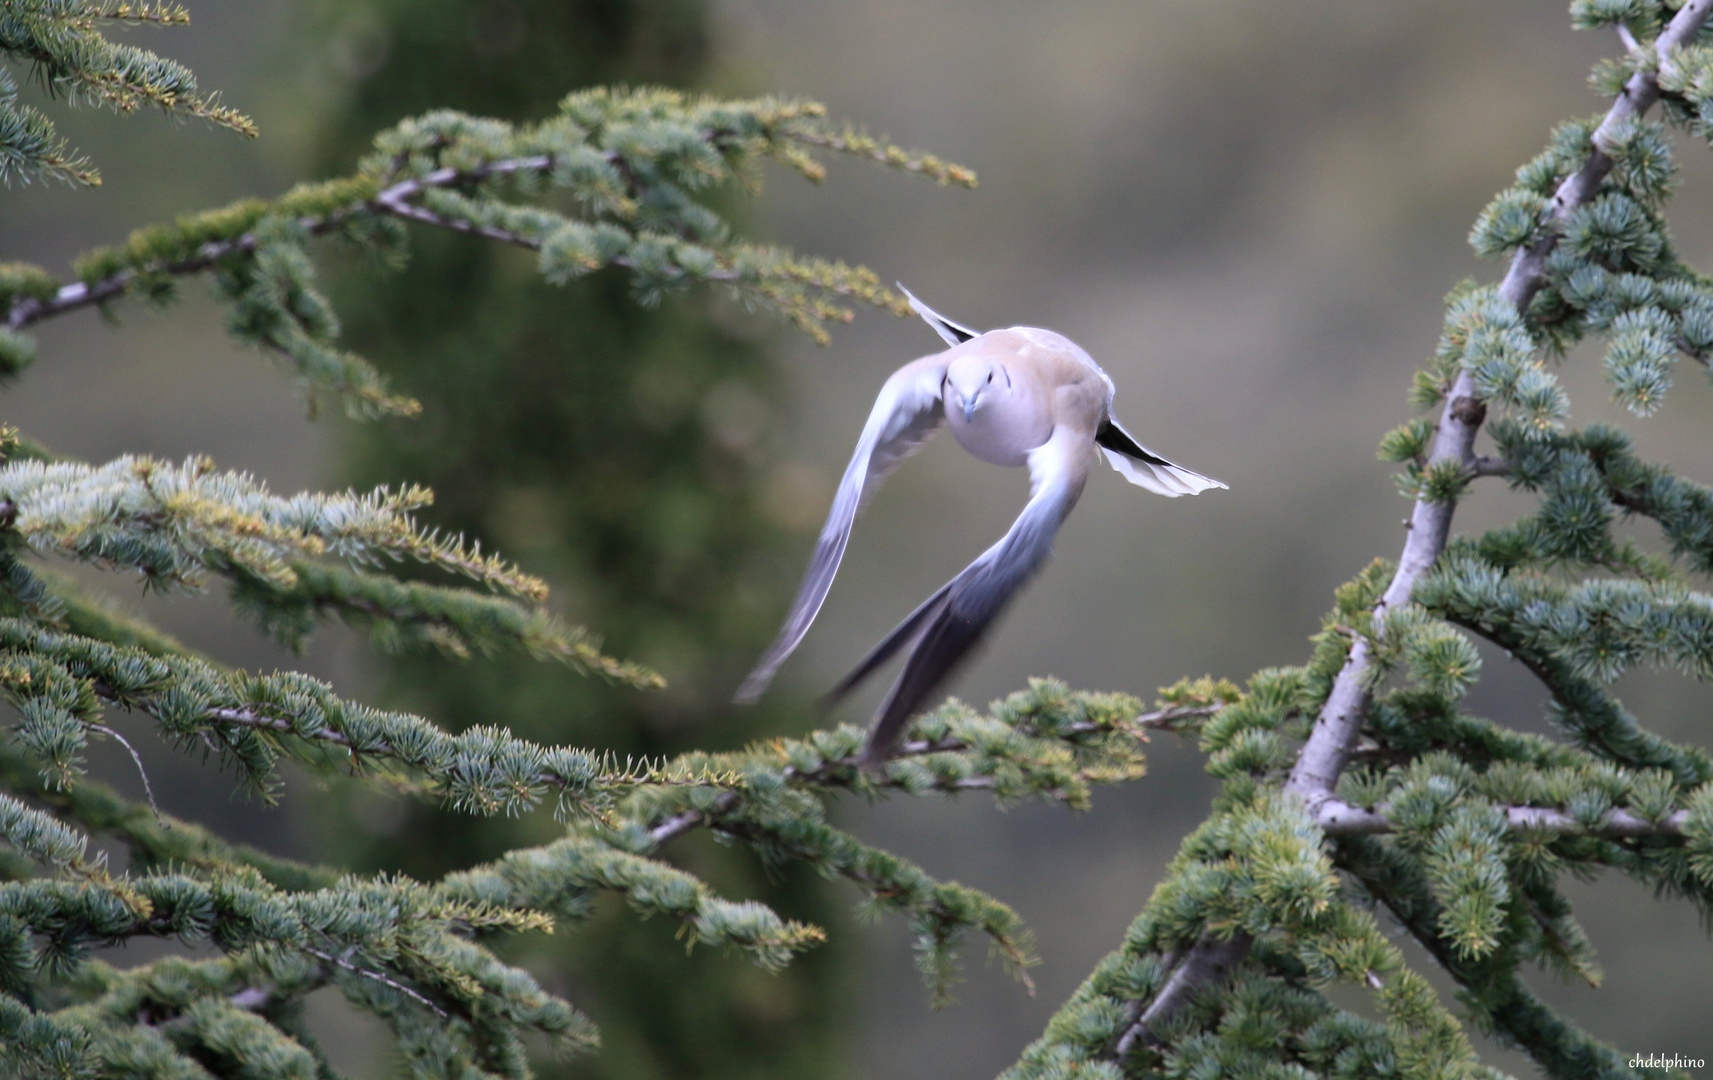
<point>1146,469</point>
<point>954,619</point>
<point>953,333</point>
<point>903,634</point>
<point>905,415</point>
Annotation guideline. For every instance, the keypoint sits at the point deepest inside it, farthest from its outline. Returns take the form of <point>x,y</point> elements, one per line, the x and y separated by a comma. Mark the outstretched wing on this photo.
<point>953,333</point>
<point>949,624</point>
<point>1146,469</point>
<point>905,414</point>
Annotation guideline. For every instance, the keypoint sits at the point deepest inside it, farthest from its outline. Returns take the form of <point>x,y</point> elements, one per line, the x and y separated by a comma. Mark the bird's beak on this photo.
<point>969,406</point>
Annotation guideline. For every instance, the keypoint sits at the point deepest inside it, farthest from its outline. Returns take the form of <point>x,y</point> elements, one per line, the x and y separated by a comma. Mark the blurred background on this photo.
<point>1247,212</point>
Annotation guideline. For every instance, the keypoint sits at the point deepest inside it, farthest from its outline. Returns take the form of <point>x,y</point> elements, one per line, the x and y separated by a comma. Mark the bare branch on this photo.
<point>1203,964</point>
<point>342,962</point>
<point>1487,465</point>
<point>1339,818</point>
<point>679,824</point>
<point>148,789</point>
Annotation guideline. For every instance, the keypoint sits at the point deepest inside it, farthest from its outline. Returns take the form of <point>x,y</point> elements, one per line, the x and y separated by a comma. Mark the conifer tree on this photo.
<point>1360,796</point>
<point>618,448</point>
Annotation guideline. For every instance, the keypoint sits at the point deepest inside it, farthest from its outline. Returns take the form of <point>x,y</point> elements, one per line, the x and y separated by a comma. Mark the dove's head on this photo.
<point>972,380</point>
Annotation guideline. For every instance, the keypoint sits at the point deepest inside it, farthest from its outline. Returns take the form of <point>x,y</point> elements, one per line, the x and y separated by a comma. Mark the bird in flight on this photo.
<point>1019,396</point>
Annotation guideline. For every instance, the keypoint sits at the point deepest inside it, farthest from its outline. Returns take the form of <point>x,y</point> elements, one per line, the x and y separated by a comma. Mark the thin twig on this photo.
<point>366,973</point>
<point>136,759</point>
<point>680,823</point>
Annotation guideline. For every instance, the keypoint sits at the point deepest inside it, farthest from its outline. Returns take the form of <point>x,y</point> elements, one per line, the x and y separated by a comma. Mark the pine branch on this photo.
<point>177,524</point>
<point>942,910</point>
<point>31,147</point>
<point>62,43</point>
<point>394,946</point>
<point>403,615</point>
<point>558,877</point>
<point>58,679</point>
<point>962,754</point>
<point>1493,988</point>
<point>450,165</point>
<point>174,523</point>
<point>349,199</point>
<point>1044,742</point>
<point>1322,758</point>
<point>1191,970</point>
<point>1046,737</point>
<point>152,841</point>
<point>1335,817</point>
<point>1514,619</point>
<point>1254,878</point>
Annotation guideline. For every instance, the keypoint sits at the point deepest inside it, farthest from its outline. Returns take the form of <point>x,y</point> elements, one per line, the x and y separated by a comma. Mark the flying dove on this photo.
<point>1019,396</point>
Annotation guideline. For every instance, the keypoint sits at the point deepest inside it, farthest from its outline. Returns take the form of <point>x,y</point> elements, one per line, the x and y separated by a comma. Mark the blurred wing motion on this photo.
<point>905,415</point>
<point>1059,389</point>
<point>944,629</point>
<point>1146,469</point>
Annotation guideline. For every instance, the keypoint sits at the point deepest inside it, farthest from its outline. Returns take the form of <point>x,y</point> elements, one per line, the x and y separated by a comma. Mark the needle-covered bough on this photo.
<point>613,181</point>
<point>1362,800</point>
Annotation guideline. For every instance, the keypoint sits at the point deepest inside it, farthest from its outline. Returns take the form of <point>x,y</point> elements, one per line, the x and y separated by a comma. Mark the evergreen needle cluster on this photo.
<point>1360,795</point>
<point>614,179</point>
<point>60,45</point>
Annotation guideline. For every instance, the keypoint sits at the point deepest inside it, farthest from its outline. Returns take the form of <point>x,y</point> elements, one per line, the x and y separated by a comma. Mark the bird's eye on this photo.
<point>990,376</point>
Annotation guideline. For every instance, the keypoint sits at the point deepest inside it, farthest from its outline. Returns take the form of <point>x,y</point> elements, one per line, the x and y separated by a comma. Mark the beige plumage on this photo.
<point>1019,396</point>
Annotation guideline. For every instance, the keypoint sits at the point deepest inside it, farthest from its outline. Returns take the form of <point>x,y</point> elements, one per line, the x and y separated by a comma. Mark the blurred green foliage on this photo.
<point>616,450</point>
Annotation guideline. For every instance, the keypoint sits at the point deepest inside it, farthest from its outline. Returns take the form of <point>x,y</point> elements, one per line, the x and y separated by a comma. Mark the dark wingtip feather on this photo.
<point>952,333</point>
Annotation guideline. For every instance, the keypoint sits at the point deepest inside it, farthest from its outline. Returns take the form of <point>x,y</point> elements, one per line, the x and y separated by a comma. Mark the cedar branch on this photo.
<point>1323,756</point>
